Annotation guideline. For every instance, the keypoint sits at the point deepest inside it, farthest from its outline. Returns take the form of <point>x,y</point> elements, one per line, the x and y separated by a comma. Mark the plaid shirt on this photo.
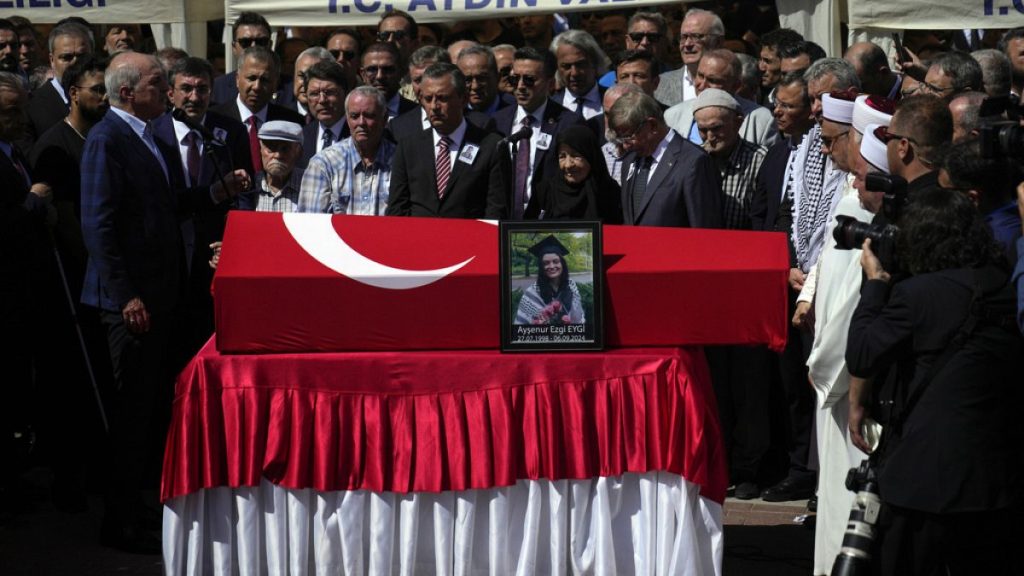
<point>337,181</point>
<point>287,200</point>
<point>739,177</point>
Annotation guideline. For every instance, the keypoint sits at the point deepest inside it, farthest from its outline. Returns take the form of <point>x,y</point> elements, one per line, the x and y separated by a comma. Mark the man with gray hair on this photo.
<point>580,61</point>
<point>965,110</point>
<point>419,60</point>
<point>49,104</point>
<point>995,71</point>
<point>132,199</point>
<point>952,73</point>
<point>750,79</point>
<point>613,153</point>
<point>307,58</point>
<point>326,87</point>
<point>700,32</point>
<point>667,180</point>
<point>721,69</point>
<point>353,176</point>
<point>480,68</point>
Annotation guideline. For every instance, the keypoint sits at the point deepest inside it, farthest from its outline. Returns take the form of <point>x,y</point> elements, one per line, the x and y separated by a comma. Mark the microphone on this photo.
<point>524,133</point>
<point>179,115</point>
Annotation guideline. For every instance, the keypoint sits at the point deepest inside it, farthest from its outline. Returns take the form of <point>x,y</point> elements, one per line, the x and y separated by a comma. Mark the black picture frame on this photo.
<point>528,323</point>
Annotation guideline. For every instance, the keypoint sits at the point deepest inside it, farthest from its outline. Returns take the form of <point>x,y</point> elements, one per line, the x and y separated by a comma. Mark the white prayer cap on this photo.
<point>872,110</point>
<point>716,97</point>
<point>872,149</point>
<point>838,107</point>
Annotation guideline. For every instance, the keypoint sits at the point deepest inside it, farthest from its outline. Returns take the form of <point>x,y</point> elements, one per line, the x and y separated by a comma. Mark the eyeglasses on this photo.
<point>389,35</point>
<point>638,37</point>
<point>12,44</point>
<point>830,142</point>
<point>528,81</point>
<point>348,54</point>
<point>617,140</point>
<point>883,134</point>
<point>198,90</point>
<point>98,89</point>
<point>374,70</point>
<point>324,94</point>
<point>701,38</point>
<point>479,79</point>
<point>505,71</point>
<point>932,88</point>
<point>247,42</point>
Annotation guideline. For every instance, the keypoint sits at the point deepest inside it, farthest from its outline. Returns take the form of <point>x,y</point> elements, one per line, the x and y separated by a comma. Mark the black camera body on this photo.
<point>854,557</point>
<point>1002,140</point>
<point>850,233</point>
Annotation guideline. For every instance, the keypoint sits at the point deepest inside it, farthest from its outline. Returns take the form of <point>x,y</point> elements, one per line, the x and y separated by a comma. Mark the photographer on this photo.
<point>949,466</point>
<point>920,126</point>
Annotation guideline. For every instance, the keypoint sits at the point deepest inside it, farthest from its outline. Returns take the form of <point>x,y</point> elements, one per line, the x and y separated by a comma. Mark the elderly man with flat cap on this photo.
<point>276,187</point>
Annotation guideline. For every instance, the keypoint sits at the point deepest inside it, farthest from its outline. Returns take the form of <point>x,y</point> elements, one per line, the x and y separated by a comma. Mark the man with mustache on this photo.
<point>276,187</point>
<point>579,63</point>
<point>480,68</point>
<point>120,37</point>
<point>353,176</point>
<point>534,158</point>
<point>380,69</point>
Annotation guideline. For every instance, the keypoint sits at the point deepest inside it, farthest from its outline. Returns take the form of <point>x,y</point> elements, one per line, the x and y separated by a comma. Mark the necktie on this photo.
<point>643,168</point>
<point>443,165</point>
<point>522,172</point>
<point>192,158</point>
<point>327,139</point>
<point>19,165</point>
<point>579,106</point>
<point>254,145</point>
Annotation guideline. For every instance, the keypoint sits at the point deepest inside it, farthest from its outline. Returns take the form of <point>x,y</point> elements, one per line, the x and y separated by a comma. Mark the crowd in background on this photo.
<point>121,162</point>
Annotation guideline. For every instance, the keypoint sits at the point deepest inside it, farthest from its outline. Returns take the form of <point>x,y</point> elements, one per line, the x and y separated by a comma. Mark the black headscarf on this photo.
<point>596,198</point>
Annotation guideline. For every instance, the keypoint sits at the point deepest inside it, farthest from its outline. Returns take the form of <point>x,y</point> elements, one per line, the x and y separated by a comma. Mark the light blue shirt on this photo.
<point>143,130</point>
<point>338,182</point>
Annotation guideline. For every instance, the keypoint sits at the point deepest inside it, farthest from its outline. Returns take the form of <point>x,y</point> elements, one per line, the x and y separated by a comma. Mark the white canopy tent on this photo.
<point>179,23</point>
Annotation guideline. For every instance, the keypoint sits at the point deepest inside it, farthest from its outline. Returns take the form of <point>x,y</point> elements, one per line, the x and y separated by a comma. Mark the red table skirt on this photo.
<point>436,421</point>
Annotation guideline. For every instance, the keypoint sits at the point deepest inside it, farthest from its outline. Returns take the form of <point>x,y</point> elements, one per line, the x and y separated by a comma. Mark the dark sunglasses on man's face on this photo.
<point>13,45</point>
<point>348,54</point>
<point>386,70</point>
<point>528,81</point>
<point>638,37</point>
<point>398,35</point>
<point>505,71</point>
<point>247,42</point>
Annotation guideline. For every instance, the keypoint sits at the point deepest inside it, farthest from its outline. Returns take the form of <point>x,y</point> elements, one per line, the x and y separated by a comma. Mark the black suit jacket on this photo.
<point>475,190</point>
<point>45,109</point>
<point>225,89</point>
<point>310,137</point>
<point>556,119</point>
<point>769,187</point>
<point>684,190</point>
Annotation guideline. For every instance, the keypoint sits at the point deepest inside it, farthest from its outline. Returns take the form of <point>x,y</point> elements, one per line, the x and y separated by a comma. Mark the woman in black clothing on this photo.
<point>950,473</point>
<point>583,190</point>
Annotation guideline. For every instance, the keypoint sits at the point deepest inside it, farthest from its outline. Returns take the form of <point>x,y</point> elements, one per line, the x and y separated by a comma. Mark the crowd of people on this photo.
<point>120,167</point>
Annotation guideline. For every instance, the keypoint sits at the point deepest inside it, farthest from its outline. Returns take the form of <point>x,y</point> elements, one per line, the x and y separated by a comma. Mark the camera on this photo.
<point>1002,140</point>
<point>855,555</point>
<point>850,233</point>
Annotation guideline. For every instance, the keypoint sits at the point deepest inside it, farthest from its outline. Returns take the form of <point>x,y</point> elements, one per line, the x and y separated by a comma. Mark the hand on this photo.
<point>234,184</point>
<point>796,279</point>
<point>912,67</point>
<point>804,316</point>
<point>135,316</point>
<point>42,190</point>
<point>215,259</point>
<point>860,392</point>
<point>871,264</point>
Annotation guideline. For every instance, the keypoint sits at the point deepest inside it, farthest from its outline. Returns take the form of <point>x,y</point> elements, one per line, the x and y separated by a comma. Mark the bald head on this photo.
<point>612,95</point>
<point>872,68</point>
<point>965,109</point>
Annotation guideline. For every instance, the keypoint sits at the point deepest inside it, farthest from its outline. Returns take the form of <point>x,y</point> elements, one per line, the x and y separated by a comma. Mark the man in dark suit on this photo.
<point>257,76</point>
<point>478,65</point>
<point>202,163</point>
<point>49,104</point>
<point>381,69</point>
<point>533,75</point>
<point>250,29</point>
<point>135,273</point>
<point>325,95</point>
<point>666,179</point>
<point>453,170</point>
<point>579,58</point>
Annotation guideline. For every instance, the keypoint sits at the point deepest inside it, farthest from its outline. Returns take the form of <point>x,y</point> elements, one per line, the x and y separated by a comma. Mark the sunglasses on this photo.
<point>479,79</point>
<point>528,81</point>
<point>348,54</point>
<point>505,71</point>
<point>638,37</point>
<point>388,35</point>
<point>374,70</point>
<point>248,42</point>
<point>883,134</point>
<point>13,45</point>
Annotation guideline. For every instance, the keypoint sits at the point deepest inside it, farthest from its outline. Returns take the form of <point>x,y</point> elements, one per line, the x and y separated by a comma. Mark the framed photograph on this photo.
<point>552,289</point>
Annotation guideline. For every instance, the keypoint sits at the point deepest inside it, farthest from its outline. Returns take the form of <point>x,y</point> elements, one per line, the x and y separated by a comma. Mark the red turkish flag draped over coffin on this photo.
<point>321,283</point>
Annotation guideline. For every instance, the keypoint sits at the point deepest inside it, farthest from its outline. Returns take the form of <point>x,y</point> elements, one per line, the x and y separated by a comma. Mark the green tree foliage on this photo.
<point>522,262</point>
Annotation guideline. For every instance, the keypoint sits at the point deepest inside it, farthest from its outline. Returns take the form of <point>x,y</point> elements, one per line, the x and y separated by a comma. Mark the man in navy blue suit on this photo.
<point>132,196</point>
<point>202,163</point>
<point>534,158</point>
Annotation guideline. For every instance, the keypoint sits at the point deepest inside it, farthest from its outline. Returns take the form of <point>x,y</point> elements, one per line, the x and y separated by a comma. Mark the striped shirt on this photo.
<point>286,200</point>
<point>739,177</point>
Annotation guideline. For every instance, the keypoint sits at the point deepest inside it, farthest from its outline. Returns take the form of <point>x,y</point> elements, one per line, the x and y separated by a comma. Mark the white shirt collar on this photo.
<point>137,125</point>
<point>60,89</point>
<point>538,115</point>
<point>181,130</point>
<point>424,119</point>
<point>663,145</point>
<point>456,136</point>
<point>334,128</point>
<point>244,113</point>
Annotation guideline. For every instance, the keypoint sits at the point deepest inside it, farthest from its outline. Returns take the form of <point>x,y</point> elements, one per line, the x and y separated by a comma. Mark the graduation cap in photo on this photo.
<point>549,245</point>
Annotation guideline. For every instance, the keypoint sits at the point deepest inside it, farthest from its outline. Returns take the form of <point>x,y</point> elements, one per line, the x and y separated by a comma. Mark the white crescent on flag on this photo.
<point>317,236</point>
